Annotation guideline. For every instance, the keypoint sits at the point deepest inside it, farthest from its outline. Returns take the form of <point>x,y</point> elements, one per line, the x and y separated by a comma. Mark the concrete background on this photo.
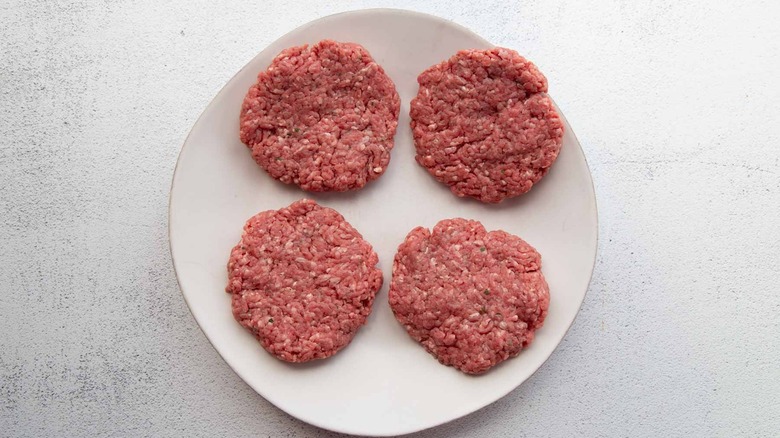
<point>676,106</point>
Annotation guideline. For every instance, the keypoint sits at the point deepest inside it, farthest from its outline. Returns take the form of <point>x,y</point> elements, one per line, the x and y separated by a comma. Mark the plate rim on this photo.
<point>458,415</point>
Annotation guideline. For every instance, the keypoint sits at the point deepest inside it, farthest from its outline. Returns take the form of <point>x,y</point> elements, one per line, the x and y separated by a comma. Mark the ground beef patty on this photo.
<point>322,117</point>
<point>302,281</point>
<point>471,298</point>
<point>484,125</point>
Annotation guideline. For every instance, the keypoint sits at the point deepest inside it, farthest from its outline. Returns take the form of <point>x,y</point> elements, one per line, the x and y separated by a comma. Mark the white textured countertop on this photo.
<point>677,110</point>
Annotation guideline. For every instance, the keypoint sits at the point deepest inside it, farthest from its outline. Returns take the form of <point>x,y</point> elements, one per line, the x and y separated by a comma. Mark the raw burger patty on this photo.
<point>484,125</point>
<point>473,299</point>
<point>302,280</point>
<point>322,117</point>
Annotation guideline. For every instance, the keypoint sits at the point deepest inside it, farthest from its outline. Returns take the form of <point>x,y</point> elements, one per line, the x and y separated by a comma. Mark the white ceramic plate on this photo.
<point>383,383</point>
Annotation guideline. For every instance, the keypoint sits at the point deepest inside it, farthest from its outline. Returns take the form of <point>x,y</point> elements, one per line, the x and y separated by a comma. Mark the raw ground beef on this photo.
<point>322,117</point>
<point>302,280</point>
<point>473,299</point>
<point>484,125</point>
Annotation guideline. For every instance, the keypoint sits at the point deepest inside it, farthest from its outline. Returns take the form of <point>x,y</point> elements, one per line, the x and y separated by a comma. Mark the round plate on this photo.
<point>383,383</point>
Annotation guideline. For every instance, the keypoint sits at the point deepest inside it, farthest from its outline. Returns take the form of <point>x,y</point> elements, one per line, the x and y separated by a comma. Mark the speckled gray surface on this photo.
<point>676,106</point>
